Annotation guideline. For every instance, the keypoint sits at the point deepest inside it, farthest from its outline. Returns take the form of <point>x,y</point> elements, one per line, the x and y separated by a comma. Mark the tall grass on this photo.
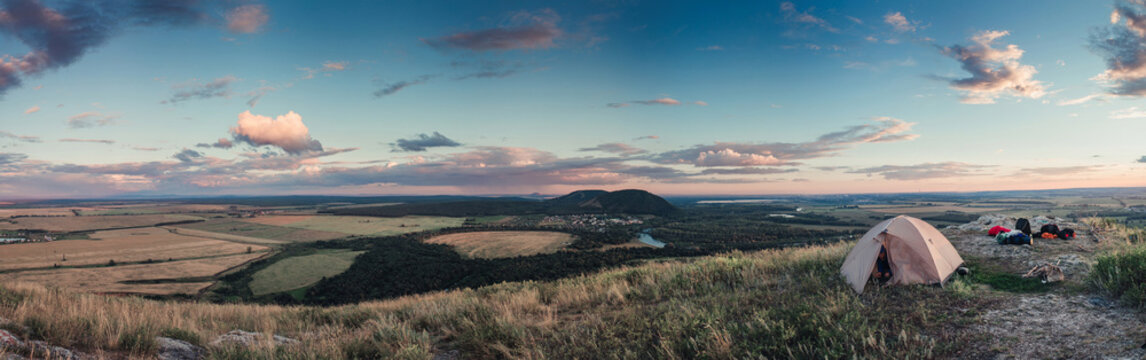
<point>1122,274</point>
<point>774,304</point>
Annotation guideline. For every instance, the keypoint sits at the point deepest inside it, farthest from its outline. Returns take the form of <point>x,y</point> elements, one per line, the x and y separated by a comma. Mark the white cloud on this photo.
<point>284,131</point>
<point>994,72</point>
<point>898,22</point>
<point>1128,113</point>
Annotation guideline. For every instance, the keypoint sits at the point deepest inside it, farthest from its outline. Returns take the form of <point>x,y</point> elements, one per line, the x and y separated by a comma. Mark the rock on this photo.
<point>986,222</point>
<point>172,349</point>
<point>7,340</point>
<point>448,355</point>
<point>43,350</point>
<point>1099,302</point>
<point>247,338</point>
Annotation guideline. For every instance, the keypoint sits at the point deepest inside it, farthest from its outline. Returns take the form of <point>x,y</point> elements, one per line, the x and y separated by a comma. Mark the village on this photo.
<point>589,221</point>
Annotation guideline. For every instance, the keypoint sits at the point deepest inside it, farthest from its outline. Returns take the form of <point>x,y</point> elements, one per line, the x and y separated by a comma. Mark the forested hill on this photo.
<point>577,202</point>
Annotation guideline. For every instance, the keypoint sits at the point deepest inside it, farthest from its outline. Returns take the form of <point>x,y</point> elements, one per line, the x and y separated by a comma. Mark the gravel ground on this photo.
<point>1062,324</point>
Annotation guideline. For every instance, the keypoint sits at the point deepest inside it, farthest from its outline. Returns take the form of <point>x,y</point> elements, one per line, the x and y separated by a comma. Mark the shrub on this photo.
<point>139,341</point>
<point>1122,274</point>
<point>180,334</point>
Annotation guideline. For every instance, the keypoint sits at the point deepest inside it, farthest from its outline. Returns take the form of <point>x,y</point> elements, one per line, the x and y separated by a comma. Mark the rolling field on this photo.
<point>919,209</point>
<point>126,245</point>
<point>240,227</point>
<point>360,225</point>
<point>82,223</point>
<point>300,271</point>
<point>498,244</point>
<point>109,279</point>
<point>54,211</point>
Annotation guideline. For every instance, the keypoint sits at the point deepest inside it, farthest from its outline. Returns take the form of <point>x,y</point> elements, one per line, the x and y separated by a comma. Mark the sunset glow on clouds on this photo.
<point>110,97</point>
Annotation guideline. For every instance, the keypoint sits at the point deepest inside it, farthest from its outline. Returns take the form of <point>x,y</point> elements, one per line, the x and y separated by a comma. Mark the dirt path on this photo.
<point>1067,322</point>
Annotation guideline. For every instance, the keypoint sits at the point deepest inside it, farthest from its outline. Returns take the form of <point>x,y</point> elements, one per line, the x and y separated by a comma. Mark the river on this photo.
<point>648,239</point>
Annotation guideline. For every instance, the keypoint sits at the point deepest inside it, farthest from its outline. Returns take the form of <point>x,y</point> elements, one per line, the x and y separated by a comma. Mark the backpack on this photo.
<point>1066,234</point>
<point>1050,228</point>
<point>1023,225</point>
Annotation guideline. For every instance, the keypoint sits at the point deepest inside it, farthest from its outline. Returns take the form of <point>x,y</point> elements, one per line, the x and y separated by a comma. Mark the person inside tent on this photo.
<point>882,271</point>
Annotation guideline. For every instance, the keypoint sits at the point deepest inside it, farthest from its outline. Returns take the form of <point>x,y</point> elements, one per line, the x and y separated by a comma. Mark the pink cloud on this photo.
<point>285,131</point>
<point>729,157</point>
<point>247,19</point>
<point>32,109</point>
<point>537,31</point>
<point>91,118</point>
<point>98,141</point>
<point>994,72</point>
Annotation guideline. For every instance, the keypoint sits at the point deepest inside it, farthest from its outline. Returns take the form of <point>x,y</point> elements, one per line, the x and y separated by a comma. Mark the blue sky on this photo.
<point>118,97</point>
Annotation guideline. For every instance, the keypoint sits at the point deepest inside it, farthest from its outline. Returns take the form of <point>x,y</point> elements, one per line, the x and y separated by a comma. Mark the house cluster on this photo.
<point>591,221</point>
<point>22,237</point>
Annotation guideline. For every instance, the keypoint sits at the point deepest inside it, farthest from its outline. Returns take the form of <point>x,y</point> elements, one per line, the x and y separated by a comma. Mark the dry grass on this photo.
<point>126,245</point>
<point>108,279</point>
<point>82,223</point>
<point>499,244</point>
<point>225,237</point>
<point>240,227</point>
<point>770,304</point>
<point>279,220</point>
<point>361,225</point>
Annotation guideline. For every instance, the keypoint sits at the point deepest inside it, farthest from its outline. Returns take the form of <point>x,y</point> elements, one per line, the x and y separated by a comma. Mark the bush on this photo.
<point>1122,274</point>
<point>180,334</point>
<point>138,341</point>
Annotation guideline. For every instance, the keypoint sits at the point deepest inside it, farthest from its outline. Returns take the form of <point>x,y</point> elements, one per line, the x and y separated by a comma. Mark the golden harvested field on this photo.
<point>81,223</point>
<point>124,245</point>
<point>231,226</point>
<point>279,220</point>
<point>224,237</point>
<point>136,209</point>
<point>360,225</point>
<point>55,211</point>
<point>498,244</point>
<point>107,279</point>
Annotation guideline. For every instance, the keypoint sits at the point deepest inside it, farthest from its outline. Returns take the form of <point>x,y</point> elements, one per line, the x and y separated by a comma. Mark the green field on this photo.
<point>243,228</point>
<point>367,225</point>
<point>300,271</point>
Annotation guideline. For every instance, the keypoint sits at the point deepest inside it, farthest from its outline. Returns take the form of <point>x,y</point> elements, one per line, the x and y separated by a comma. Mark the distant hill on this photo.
<point>628,202</point>
<point>577,202</point>
<point>576,198</point>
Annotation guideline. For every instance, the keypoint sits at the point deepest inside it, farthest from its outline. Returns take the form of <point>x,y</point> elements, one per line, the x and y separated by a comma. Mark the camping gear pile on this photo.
<point>902,250</point>
<point>988,221</point>
<point>1022,234</point>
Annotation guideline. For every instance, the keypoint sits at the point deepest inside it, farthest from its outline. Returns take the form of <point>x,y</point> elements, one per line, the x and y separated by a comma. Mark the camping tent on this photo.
<point>916,251</point>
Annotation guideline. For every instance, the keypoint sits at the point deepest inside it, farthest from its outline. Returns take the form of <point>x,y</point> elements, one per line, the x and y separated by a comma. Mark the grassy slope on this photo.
<point>780,304</point>
<point>300,271</point>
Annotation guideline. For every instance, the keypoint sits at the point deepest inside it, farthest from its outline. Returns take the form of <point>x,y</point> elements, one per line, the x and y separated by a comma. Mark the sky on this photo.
<point>242,97</point>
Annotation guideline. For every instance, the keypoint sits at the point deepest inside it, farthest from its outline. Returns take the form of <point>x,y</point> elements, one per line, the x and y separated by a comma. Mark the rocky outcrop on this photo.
<point>173,349</point>
<point>247,338</point>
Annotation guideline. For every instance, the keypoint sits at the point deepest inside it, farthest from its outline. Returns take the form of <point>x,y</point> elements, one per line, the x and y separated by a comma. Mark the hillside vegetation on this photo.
<point>775,303</point>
